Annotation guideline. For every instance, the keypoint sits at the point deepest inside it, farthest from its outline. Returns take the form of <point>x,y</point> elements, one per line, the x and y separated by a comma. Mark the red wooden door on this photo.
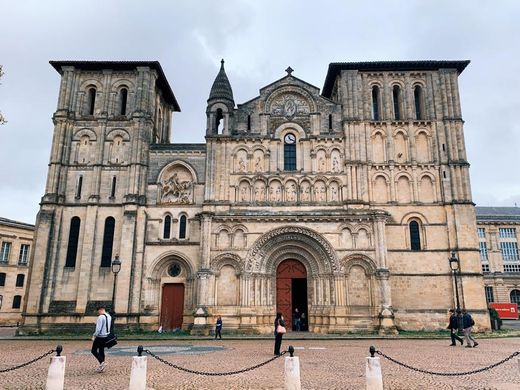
<point>286,272</point>
<point>172,306</point>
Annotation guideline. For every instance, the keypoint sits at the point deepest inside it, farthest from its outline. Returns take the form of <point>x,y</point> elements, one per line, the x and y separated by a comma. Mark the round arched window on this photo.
<point>174,270</point>
<point>514,296</point>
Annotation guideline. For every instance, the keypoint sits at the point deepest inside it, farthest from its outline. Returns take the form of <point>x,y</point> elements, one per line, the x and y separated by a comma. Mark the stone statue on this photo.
<point>175,191</point>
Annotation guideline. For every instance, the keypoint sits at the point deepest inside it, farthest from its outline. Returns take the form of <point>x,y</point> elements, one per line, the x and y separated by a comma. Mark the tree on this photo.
<point>2,119</point>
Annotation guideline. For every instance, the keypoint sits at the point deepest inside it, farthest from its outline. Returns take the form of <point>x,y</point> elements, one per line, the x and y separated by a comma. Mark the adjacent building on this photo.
<point>344,202</point>
<point>499,234</point>
<point>15,240</point>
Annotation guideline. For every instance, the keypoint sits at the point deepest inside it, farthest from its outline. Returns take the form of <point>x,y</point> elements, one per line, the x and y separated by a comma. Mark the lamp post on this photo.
<point>116,267</point>
<point>455,269</point>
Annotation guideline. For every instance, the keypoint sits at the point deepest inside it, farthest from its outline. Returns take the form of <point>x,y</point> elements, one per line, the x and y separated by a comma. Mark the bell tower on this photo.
<point>220,105</point>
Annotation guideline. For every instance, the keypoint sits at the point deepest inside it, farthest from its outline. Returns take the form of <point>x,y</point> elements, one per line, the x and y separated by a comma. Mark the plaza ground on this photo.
<point>325,364</point>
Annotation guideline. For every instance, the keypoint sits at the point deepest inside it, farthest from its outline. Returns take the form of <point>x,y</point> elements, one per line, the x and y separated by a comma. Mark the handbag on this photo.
<point>281,329</point>
<point>111,339</point>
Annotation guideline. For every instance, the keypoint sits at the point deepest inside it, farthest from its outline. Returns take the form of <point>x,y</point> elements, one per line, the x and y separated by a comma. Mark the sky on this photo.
<point>258,40</point>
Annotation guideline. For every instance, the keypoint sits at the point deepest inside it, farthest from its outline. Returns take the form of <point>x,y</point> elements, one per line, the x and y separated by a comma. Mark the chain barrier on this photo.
<point>212,373</point>
<point>449,373</point>
<point>29,362</point>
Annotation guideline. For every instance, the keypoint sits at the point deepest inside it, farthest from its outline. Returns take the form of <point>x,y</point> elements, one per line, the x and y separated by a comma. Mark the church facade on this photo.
<point>345,203</point>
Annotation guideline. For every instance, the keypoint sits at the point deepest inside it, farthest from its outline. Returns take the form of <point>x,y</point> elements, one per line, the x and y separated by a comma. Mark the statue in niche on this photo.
<point>275,192</point>
<point>334,193</point>
<point>175,190</point>
<point>258,164</point>
<point>243,194</point>
<point>291,192</point>
<point>321,164</point>
<point>335,164</point>
<point>259,192</point>
<point>319,192</point>
<point>305,193</point>
<point>241,165</point>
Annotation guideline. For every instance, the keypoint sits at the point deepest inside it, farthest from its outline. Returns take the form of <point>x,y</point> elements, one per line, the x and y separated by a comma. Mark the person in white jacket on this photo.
<point>103,323</point>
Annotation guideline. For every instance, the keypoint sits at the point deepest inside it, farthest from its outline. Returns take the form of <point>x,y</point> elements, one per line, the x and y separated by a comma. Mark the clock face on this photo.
<point>290,139</point>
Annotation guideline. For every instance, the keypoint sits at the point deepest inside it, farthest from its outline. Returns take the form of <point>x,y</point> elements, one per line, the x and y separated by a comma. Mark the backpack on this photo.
<point>111,339</point>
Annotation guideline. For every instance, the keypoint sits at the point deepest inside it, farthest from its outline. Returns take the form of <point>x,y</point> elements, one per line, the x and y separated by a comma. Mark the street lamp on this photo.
<point>455,268</point>
<point>116,267</point>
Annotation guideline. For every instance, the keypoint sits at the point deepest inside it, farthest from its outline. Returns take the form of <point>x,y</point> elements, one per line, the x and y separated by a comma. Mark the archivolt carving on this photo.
<point>312,242</point>
<point>227,259</point>
<point>358,259</point>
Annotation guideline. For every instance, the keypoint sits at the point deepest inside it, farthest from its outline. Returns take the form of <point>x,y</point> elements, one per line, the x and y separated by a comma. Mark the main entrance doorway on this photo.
<point>172,306</point>
<point>291,291</point>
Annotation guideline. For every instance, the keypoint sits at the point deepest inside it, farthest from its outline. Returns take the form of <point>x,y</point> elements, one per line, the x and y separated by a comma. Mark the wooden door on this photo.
<point>172,306</point>
<point>286,272</point>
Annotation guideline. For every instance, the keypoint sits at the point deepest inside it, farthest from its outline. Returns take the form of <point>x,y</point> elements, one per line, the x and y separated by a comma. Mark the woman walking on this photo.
<point>218,328</point>
<point>279,330</point>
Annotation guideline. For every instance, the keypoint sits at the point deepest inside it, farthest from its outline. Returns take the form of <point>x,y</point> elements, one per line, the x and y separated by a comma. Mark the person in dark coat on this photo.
<point>467,324</point>
<point>218,328</point>
<point>453,326</point>
<point>278,336</point>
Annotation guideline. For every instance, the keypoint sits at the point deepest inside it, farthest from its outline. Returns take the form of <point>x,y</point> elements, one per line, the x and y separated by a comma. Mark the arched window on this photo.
<point>167,227</point>
<point>219,121</point>
<point>123,97</point>
<point>79,185</point>
<point>91,101</point>
<point>376,114</point>
<point>396,94</point>
<point>108,242</point>
<point>418,98</point>
<point>72,246</point>
<point>2,279</point>
<point>20,278</point>
<point>113,188</point>
<point>415,236</point>
<point>182,227</point>
<point>289,152</point>
<point>514,296</point>
<point>17,301</point>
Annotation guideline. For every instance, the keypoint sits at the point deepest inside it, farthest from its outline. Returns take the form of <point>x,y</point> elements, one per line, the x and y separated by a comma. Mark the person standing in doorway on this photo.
<point>467,323</point>
<point>218,328</point>
<point>279,331</point>
<point>103,323</point>
<point>297,320</point>
<point>453,326</point>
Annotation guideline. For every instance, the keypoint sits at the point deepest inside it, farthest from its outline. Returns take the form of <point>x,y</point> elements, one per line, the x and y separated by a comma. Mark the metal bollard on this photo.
<point>292,371</point>
<point>138,373</point>
<point>56,373</point>
<point>373,371</point>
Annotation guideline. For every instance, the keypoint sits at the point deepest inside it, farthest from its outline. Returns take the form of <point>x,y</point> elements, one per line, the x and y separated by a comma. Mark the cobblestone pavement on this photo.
<point>325,364</point>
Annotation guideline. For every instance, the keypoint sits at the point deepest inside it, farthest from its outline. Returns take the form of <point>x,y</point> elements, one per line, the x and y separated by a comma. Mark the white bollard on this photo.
<point>138,373</point>
<point>518,360</point>
<point>373,372</point>
<point>292,371</point>
<point>56,373</point>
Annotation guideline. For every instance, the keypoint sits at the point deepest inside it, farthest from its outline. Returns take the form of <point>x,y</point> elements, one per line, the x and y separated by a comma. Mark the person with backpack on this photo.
<point>103,325</point>
<point>467,323</point>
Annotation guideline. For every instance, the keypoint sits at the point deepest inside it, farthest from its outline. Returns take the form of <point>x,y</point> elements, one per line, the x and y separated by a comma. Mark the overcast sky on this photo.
<point>258,39</point>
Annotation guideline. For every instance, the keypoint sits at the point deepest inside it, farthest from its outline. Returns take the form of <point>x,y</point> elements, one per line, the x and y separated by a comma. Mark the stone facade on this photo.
<point>499,234</point>
<point>16,241</point>
<point>364,188</point>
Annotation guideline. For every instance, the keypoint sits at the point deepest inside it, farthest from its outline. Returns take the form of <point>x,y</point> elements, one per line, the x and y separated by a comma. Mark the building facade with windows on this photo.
<point>499,233</point>
<point>16,241</point>
<point>345,203</point>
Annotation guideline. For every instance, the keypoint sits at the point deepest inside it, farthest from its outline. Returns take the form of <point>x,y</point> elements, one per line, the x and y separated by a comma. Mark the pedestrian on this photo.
<point>103,324</point>
<point>218,328</point>
<point>303,322</point>
<point>279,331</point>
<point>453,326</point>
<point>467,323</point>
<point>296,320</point>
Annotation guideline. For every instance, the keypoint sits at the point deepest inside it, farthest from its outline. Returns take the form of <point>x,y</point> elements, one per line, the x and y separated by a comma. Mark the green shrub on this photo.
<point>493,314</point>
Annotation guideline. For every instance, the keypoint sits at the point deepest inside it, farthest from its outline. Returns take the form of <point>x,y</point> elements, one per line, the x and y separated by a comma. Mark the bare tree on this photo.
<point>2,119</point>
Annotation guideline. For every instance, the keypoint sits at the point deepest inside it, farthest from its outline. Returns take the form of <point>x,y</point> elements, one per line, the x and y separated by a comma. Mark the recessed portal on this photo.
<point>172,306</point>
<point>291,291</point>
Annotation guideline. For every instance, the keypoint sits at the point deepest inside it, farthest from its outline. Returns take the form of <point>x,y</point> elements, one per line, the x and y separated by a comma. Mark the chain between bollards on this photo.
<point>58,351</point>
<point>373,350</point>
<point>212,373</point>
